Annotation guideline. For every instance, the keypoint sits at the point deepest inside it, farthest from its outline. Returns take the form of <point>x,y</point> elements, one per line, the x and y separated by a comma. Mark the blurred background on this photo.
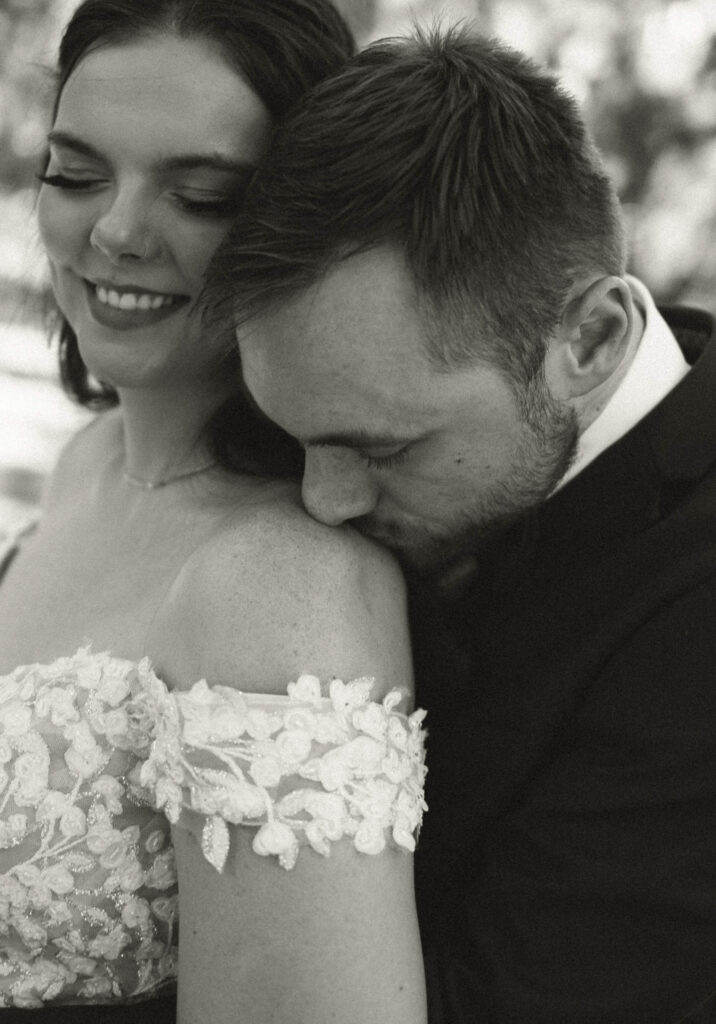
<point>644,72</point>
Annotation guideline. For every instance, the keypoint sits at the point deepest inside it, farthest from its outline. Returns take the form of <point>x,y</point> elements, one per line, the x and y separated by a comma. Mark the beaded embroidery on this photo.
<point>302,768</point>
<point>87,880</point>
<point>92,747</point>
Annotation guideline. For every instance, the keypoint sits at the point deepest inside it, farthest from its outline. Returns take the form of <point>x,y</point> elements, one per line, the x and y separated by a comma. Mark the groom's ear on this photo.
<point>594,333</point>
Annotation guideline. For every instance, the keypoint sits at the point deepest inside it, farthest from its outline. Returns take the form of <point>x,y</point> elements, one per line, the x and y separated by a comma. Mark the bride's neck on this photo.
<point>165,431</point>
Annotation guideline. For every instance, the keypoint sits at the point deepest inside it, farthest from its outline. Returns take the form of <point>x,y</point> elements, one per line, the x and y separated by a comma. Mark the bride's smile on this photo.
<point>125,308</point>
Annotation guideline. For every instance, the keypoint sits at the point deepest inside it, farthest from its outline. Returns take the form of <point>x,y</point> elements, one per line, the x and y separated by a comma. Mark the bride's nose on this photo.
<point>336,486</point>
<point>123,229</point>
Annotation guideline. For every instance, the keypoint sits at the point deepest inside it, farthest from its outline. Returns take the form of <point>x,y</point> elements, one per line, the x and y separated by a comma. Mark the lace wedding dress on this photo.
<point>97,757</point>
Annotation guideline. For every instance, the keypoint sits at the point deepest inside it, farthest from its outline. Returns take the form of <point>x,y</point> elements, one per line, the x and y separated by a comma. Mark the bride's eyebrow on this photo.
<point>241,171</point>
<point>209,161</point>
<point>65,140</point>
<point>178,162</point>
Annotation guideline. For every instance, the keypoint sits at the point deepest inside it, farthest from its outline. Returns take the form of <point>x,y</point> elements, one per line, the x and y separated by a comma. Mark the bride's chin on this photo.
<point>119,371</point>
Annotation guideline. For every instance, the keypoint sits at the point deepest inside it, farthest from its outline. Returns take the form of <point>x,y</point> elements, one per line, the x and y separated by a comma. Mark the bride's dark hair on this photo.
<point>281,48</point>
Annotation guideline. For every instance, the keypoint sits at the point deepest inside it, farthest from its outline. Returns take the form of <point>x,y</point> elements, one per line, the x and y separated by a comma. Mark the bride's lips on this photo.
<point>142,307</point>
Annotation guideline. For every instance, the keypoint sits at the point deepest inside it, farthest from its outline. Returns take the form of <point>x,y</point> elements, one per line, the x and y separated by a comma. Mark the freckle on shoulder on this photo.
<point>274,592</point>
<point>283,529</point>
<point>277,543</point>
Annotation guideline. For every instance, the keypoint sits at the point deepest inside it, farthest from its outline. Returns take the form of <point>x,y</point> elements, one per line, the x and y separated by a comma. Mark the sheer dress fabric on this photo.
<point>97,756</point>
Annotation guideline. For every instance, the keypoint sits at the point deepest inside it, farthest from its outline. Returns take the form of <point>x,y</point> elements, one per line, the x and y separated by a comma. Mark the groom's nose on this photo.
<point>336,485</point>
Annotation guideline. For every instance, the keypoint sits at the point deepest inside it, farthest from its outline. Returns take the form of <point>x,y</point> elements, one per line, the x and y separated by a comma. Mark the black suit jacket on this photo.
<point>566,873</point>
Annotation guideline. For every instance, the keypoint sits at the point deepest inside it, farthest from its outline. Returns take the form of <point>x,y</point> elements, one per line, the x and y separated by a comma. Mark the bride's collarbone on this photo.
<point>101,548</point>
<point>102,563</point>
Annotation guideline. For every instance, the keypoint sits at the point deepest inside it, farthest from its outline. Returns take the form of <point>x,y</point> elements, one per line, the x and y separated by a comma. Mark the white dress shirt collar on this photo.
<point>656,369</point>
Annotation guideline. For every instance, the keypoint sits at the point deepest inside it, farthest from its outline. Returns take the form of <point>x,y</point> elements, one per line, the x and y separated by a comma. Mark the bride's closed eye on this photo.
<point>219,205</point>
<point>70,184</point>
<point>214,205</point>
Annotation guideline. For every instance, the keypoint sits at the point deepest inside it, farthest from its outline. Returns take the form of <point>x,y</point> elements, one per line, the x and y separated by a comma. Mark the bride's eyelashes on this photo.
<point>220,205</point>
<point>71,184</point>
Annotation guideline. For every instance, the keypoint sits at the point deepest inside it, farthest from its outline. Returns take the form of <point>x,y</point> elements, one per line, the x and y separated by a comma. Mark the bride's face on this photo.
<point>149,153</point>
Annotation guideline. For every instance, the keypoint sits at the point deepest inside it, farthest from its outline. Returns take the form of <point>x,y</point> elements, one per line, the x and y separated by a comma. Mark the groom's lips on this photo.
<point>386,534</point>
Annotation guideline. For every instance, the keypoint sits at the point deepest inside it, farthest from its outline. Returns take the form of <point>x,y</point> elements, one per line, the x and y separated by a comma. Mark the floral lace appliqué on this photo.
<point>92,746</point>
<point>303,768</point>
<point>87,879</point>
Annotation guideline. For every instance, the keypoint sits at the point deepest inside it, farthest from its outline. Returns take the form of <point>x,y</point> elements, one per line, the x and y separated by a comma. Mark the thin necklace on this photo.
<point>164,481</point>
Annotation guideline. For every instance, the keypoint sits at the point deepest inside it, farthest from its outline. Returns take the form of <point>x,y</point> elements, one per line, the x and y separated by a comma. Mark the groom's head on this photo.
<point>427,280</point>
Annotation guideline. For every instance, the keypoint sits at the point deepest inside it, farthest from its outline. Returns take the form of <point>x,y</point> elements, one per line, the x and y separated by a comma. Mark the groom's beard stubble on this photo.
<point>546,455</point>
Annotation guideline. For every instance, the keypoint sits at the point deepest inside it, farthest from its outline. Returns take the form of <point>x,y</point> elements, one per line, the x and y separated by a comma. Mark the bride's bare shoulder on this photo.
<point>274,592</point>
<point>279,530</point>
<point>274,553</point>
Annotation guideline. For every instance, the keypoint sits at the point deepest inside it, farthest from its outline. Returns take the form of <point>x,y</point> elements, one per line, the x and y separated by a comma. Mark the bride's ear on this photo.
<point>595,331</point>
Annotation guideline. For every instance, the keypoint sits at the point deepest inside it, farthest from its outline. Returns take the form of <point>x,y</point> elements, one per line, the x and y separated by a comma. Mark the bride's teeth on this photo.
<point>132,301</point>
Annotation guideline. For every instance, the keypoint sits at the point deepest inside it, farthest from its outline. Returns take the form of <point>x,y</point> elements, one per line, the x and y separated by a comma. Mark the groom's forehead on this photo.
<point>342,369</point>
<point>351,352</point>
<point>326,381</point>
<point>367,297</point>
<point>313,345</point>
<point>349,391</point>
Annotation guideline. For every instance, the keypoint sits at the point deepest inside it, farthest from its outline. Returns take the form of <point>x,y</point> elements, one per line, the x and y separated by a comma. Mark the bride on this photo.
<point>178,640</point>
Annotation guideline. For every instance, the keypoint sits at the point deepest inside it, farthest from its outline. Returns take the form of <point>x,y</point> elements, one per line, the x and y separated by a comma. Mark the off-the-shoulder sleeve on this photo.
<point>303,768</point>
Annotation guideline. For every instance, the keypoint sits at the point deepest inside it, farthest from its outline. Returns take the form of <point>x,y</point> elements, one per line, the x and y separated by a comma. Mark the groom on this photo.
<point>429,273</point>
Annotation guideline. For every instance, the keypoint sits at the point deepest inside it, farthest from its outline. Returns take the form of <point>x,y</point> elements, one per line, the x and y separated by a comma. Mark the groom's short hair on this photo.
<point>462,155</point>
